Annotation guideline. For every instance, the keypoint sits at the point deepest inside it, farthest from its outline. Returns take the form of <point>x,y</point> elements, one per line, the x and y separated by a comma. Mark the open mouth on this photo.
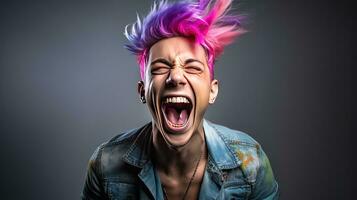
<point>176,111</point>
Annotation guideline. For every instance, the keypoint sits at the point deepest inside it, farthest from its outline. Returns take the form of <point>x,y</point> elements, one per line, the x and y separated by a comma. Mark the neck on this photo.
<point>177,161</point>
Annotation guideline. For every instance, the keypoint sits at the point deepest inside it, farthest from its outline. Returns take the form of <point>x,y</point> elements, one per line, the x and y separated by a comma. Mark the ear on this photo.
<point>141,89</point>
<point>214,91</point>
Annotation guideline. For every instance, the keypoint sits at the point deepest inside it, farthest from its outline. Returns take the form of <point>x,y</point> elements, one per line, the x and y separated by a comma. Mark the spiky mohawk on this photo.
<point>206,21</point>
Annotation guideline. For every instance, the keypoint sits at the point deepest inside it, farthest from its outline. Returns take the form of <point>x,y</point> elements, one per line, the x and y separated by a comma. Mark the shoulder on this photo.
<point>119,142</point>
<point>106,164</point>
<point>108,156</point>
<point>253,162</point>
<point>235,136</point>
<point>245,148</point>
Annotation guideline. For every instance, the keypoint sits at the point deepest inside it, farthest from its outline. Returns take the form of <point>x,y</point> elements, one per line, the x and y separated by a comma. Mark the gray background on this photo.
<point>67,85</point>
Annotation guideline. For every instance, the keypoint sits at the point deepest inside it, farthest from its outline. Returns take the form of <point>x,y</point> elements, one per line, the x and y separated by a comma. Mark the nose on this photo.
<point>176,77</point>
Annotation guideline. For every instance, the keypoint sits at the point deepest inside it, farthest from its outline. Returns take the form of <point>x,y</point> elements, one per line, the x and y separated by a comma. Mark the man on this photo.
<point>180,155</point>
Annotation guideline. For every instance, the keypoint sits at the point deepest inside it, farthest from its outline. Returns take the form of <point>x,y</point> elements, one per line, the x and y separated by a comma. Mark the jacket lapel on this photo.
<point>138,155</point>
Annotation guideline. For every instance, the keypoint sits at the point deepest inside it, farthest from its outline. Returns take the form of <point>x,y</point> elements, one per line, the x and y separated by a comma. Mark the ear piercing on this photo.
<point>142,99</point>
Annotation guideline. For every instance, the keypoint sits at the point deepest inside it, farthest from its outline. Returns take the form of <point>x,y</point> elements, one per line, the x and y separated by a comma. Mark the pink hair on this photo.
<point>206,21</point>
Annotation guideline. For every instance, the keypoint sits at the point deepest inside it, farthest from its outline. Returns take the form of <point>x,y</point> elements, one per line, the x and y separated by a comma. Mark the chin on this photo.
<point>175,140</point>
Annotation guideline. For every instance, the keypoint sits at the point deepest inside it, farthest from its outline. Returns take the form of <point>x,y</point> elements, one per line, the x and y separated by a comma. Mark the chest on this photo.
<point>232,186</point>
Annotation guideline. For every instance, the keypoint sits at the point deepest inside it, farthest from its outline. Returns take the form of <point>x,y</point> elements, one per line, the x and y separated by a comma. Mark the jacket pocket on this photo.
<point>234,191</point>
<point>121,191</point>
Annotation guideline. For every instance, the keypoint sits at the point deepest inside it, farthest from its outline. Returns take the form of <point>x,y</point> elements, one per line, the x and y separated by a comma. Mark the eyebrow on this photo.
<point>166,62</point>
<point>190,60</point>
<point>161,60</point>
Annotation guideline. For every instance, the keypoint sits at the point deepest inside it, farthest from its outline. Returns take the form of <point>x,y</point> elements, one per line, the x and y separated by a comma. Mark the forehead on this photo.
<point>177,47</point>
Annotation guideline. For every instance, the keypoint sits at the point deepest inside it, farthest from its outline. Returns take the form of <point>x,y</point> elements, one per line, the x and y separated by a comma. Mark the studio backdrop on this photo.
<point>68,85</point>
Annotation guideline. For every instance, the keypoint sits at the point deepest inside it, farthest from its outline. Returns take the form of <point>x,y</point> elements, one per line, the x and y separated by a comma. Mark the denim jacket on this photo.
<point>237,168</point>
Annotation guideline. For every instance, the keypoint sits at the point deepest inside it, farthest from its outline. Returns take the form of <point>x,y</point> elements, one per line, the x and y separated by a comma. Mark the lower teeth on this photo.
<point>174,125</point>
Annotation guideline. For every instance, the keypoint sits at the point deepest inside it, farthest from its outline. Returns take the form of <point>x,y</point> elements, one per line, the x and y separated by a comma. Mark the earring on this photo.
<point>142,99</point>
<point>212,100</point>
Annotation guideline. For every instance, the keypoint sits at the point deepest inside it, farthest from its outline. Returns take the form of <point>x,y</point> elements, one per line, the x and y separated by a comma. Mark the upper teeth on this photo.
<point>176,100</point>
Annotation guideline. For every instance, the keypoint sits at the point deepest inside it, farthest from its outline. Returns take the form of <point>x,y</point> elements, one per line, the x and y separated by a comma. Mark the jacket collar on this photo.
<point>139,152</point>
<point>218,148</point>
<point>221,153</point>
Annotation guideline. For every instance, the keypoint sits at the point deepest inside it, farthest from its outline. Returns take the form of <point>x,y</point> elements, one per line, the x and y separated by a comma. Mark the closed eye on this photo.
<point>193,69</point>
<point>160,66</point>
<point>194,66</point>
<point>159,69</point>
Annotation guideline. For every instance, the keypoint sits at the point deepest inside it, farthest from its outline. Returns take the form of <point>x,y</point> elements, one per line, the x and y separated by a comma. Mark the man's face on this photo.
<point>178,88</point>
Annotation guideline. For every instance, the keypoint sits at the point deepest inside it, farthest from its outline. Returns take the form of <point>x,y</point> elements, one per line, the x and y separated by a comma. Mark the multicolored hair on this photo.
<point>206,21</point>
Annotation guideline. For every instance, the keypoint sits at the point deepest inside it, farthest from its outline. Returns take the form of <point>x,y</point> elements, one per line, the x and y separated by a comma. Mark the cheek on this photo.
<point>151,99</point>
<point>202,96</point>
<point>201,90</point>
<point>153,90</point>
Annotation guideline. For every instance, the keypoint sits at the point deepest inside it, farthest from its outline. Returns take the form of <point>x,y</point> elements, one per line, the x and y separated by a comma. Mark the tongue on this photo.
<point>177,118</point>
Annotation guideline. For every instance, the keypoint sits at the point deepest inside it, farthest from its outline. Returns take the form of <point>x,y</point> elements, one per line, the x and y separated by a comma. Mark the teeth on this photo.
<point>176,100</point>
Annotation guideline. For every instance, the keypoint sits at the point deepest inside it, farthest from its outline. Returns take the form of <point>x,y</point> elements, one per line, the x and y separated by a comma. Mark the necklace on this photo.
<point>189,184</point>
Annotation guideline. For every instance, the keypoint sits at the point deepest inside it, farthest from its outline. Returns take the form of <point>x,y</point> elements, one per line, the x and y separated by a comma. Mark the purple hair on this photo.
<point>205,21</point>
